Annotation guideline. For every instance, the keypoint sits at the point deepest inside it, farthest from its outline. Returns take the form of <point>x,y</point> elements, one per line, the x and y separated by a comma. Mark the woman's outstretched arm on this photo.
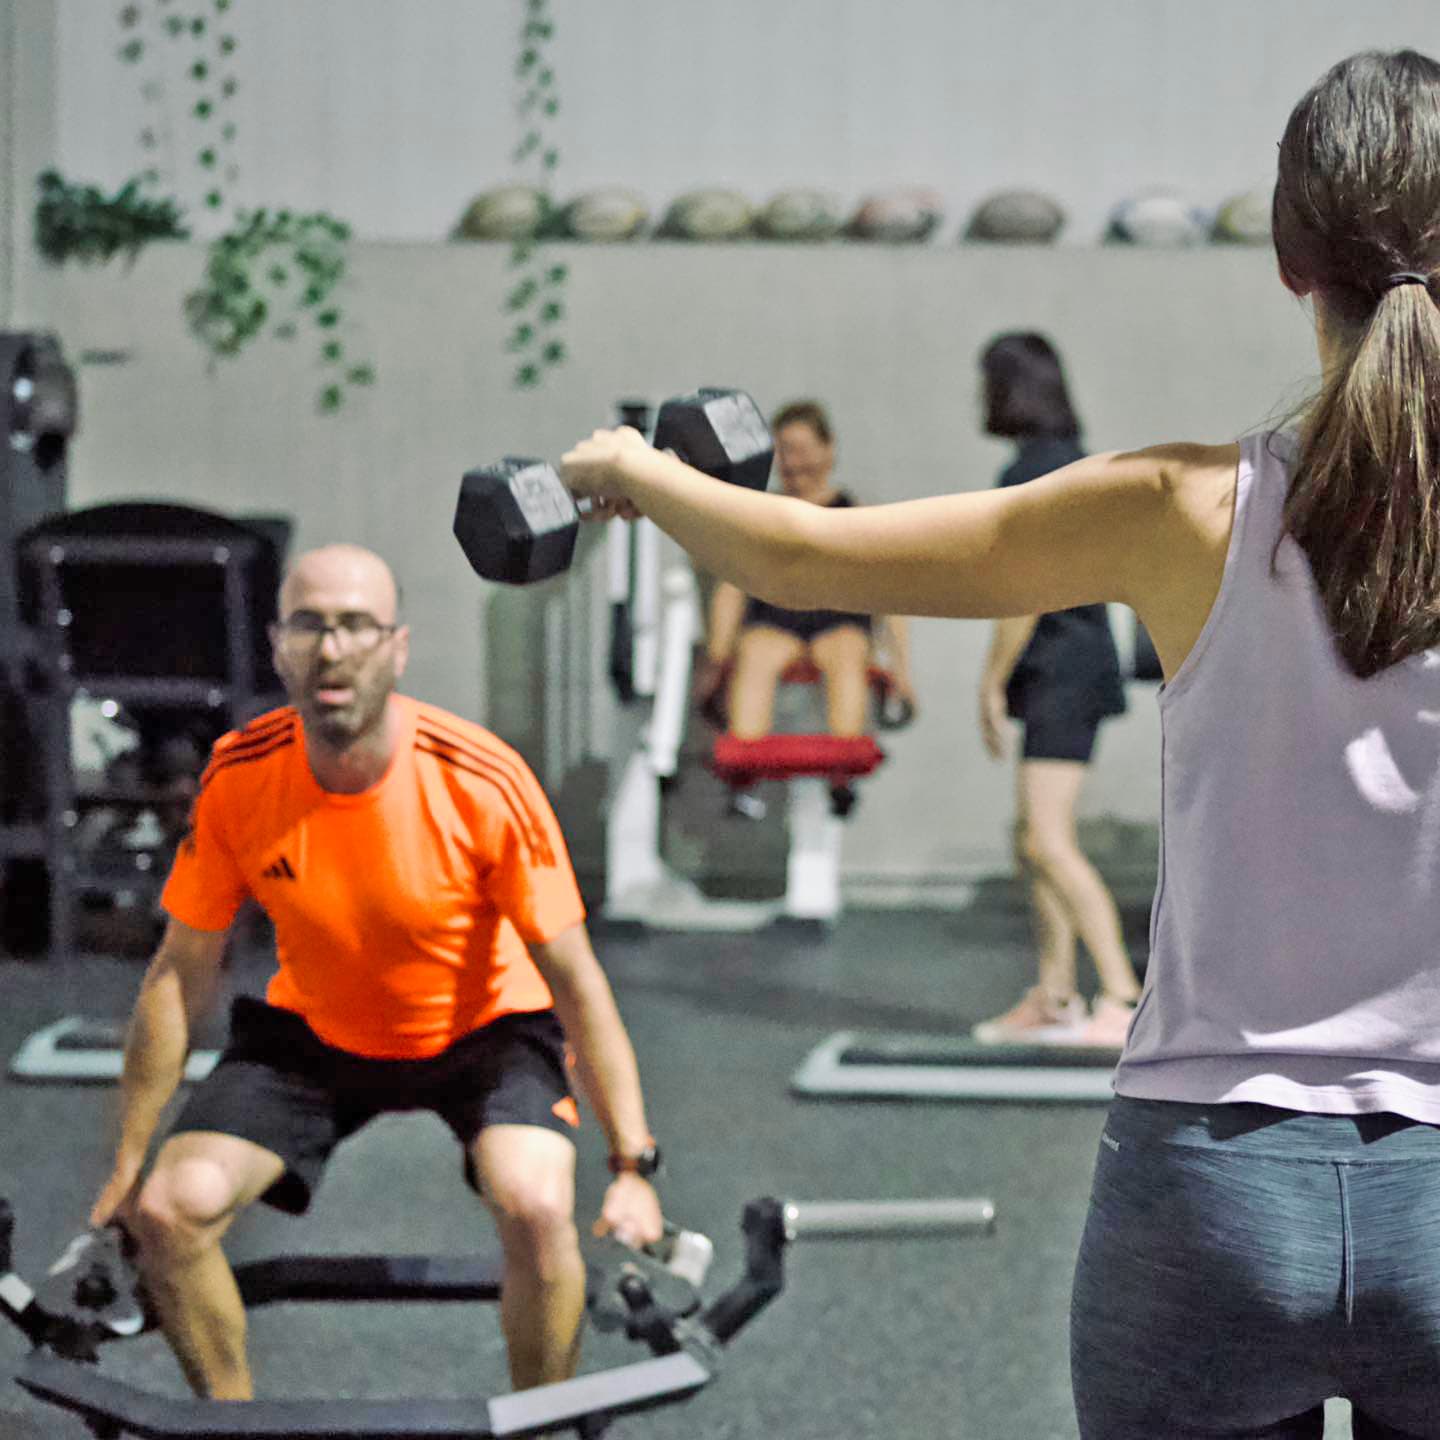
<point>1097,530</point>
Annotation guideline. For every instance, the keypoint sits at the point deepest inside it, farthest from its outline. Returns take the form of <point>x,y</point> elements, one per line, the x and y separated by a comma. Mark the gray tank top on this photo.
<point>1295,934</point>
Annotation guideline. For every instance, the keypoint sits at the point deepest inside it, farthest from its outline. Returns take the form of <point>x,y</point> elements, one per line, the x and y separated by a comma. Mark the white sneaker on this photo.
<point>1036,1019</point>
<point>1108,1025</point>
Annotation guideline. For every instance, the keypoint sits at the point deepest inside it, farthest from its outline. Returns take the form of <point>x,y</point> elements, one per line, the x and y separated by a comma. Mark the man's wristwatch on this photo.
<point>645,1164</point>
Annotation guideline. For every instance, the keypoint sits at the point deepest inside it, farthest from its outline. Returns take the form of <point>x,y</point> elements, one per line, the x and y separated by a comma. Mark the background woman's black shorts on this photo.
<point>1060,725</point>
<point>282,1087</point>
<point>802,624</point>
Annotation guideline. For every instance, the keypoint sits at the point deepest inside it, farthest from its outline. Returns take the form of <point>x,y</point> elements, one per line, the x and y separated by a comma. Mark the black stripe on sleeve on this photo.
<point>532,830</point>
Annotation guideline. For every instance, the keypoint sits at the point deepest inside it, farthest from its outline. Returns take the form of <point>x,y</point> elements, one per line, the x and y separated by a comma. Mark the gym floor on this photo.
<point>904,1339</point>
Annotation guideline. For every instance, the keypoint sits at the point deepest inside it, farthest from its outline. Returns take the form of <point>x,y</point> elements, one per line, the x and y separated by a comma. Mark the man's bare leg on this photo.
<point>200,1182</point>
<point>527,1179</point>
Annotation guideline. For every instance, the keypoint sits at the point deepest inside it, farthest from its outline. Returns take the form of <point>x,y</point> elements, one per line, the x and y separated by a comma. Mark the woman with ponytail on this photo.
<point>1264,1227</point>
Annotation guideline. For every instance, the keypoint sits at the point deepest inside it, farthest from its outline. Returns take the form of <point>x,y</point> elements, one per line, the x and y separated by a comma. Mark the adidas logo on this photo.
<point>280,870</point>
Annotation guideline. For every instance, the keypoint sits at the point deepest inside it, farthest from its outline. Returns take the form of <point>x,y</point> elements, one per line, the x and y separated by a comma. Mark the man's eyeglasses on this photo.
<point>305,630</point>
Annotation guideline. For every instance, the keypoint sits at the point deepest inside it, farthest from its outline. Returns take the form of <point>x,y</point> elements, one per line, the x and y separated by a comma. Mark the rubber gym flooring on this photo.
<point>957,1337</point>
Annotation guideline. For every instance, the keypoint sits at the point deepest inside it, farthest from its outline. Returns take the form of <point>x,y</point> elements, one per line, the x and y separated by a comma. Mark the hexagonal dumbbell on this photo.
<point>517,523</point>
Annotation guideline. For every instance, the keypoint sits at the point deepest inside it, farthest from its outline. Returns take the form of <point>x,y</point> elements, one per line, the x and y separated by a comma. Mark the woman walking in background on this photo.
<point>1057,674</point>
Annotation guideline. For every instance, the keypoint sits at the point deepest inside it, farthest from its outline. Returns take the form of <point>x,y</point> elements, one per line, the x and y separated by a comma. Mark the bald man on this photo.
<point>432,954</point>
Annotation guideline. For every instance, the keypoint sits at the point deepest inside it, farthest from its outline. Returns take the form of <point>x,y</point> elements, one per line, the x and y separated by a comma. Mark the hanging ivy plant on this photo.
<point>269,272</point>
<point>277,272</point>
<point>209,86</point>
<point>214,86</point>
<point>80,222</point>
<point>535,301</point>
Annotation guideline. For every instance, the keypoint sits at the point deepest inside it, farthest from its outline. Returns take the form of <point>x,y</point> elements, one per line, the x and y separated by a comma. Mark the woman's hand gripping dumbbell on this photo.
<point>517,522</point>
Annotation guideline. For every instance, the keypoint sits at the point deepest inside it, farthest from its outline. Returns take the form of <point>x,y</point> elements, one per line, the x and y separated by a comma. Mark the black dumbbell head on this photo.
<point>721,432</point>
<point>54,402</point>
<point>95,1289</point>
<point>516,521</point>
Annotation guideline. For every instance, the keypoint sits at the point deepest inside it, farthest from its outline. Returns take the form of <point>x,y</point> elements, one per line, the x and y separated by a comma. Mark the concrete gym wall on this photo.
<point>29,111</point>
<point>394,115</point>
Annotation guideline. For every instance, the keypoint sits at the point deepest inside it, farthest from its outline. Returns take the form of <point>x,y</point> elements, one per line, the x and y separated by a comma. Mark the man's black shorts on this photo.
<point>282,1087</point>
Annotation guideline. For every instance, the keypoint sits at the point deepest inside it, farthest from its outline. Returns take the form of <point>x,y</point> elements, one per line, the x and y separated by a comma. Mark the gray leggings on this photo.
<point>1241,1264</point>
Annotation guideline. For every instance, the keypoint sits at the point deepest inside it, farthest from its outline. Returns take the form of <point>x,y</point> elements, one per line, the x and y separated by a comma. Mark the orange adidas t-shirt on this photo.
<point>401,914</point>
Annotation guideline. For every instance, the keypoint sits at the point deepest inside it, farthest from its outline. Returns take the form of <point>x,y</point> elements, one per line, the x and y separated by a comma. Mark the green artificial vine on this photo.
<point>536,299</point>
<point>276,271</point>
<point>80,222</point>
<point>211,85</point>
<point>269,272</point>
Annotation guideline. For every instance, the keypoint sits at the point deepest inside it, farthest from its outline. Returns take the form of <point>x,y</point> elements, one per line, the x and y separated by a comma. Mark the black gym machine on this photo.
<point>38,414</point>
<point>153,613</point>
<point>655,1297</point>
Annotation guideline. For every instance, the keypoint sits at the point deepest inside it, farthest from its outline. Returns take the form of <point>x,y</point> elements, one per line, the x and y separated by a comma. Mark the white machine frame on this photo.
<point>640,887</point>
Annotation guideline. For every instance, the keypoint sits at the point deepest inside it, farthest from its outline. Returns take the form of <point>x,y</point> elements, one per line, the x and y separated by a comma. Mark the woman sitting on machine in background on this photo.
<point>1059,675</point>
<point>753,642</point>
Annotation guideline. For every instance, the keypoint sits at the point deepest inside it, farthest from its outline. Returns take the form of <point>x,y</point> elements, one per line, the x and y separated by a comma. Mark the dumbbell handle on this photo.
<point>584,505</point>
<point>862,1219</point>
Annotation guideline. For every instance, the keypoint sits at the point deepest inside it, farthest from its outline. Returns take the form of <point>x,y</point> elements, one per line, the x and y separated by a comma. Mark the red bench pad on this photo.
<point>778,757</point>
